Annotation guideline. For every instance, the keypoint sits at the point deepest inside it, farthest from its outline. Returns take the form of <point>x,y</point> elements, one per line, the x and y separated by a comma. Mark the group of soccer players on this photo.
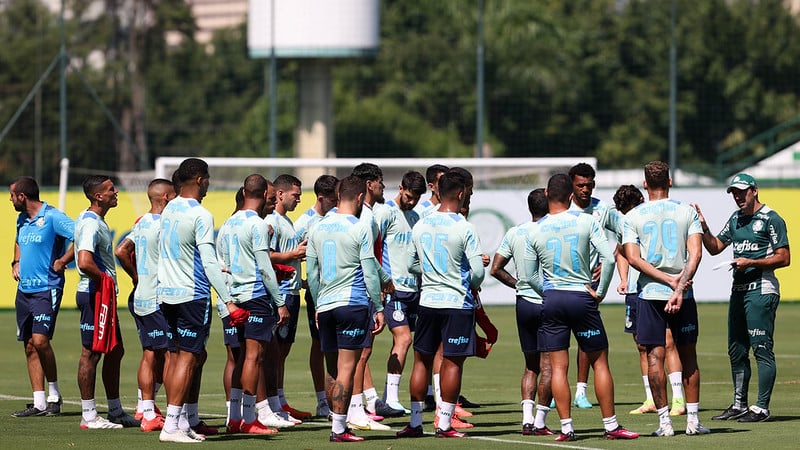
<point>414,266</point>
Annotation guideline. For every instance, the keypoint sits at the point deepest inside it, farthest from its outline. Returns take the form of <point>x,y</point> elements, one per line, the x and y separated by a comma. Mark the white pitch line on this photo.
<point>542,444</point>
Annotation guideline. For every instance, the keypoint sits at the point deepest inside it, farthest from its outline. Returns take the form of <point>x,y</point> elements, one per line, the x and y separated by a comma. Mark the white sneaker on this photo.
<point>195,435</point>
<point>99,423</point>
<point>693,429</point>
<point>664,431</point>
<point>369,425</point>
<point>178,436</point>
<point>288,417</point>
<point>272,419</point>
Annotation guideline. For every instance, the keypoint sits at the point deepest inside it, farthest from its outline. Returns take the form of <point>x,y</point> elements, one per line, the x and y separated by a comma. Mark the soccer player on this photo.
<point>40,256</point>
<point>343,279</point>
<point>560,243</point>
<point>95,260</point>
<point>447,254</point>
<point>286,249</point>
<point>187,268</point>
<point>529,315</point>
<point>432,175</point>
<point>138,256</point>
<point>395,220</point>
<point>243,246</point>
<point>325,190</point>
<point>663,241</point>
<point>760,245</point>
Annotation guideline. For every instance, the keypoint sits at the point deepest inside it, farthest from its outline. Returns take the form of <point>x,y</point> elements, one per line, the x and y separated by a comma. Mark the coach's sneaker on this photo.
<point>382,409</point>
<point>179,436</point>
<point>694,429</point>
<point>451,433</point>
<point>99,423</point>
<point>29,411</point>
<point>678,407</point>
<point>620,433</point>
<point>755,414</point>
<point>566,437</point>
<point>398,406</point>
<point>466,403</point>
<point>647,407</point>
<point>152,425</point>
<point>410,432</point>
<point>664,431</point>
<point>125,420</point>
<point>346,436</point>
<point>54,408</point>
<point>257,428</point>
<point>274,420</point>
<point>301,415</point>
<point>369,425</point>
<point>582,402</point>
<point>730,414</point>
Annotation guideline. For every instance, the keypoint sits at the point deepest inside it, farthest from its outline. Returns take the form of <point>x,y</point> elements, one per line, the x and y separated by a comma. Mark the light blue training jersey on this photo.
<point>617,220</point>
<point>395,227</point>
<point>92,234</point>
<point>661,228</point>
<point>144,234</point>
<point>561,244</point>
<point>340,247</point>
<point>185,225</point>
<point>423,207</point>
<point>41,240</point>
<point>239,240</point>
<point>447,252</point>
<point>602,214</point>
<point>513,249</point>
<point>305,222</point>
<point>285,240</point>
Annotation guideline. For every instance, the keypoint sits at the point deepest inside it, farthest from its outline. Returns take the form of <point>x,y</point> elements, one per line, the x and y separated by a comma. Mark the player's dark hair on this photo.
<point>255,186</point>
<point>284,182</point>
<point>351,186</point>
<point>466,174</point>
<point>432,173</point>
<point>189,169</point>
<point>537,203</point>
<point>451,183</point>
<point>559,188</point>
<point>627,197</point>
<point>157,181</point>
<point>414,182</point>
<point>91,183</point>
<point>656,174</point>
<point>325,186</point>
<point>582,170</point>
<point>367,172</point>
<point>28,186</point>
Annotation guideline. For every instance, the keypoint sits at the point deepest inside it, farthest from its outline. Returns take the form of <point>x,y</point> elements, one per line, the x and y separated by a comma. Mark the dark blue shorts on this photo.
<point>652,323</point>
<point>631,312</point>
<point>230,333</point>
<point>37,312</point>
<point>85,301</point>
<point>454,329</point>
<point>311,315</point>
<point>575,312</point>
<point>345,327</point>
<point>189,324</point>
<point>401,310</point>
<point>286,333</point>
<point>261,323</point>
<point>529,319</point>
<point>151,328</point>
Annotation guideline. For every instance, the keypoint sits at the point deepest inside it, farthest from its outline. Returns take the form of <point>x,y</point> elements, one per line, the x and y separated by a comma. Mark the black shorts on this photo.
<point>311,315</point>
<point>85,301</point>
<point>454,329</point>
<point>529,319</point>
<point>37,313</point>
<point>652,323</point>
<point>401,310</point>
<point>286,332</point>
<point>631,312</point>
<point>261,322</point>
<point>573,312</point>
<point>345,327</point>
<point>189,324</point>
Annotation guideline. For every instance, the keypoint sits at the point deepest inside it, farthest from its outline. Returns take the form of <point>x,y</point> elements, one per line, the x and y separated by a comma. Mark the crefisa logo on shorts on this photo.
<point>155,333</point>
<point>187,333</point>
<point>458,341</point>
<point>354,333</point>
<point>588,333</point>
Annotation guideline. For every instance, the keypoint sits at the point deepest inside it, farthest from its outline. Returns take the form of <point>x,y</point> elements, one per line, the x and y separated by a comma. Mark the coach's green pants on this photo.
<point>751,323</point>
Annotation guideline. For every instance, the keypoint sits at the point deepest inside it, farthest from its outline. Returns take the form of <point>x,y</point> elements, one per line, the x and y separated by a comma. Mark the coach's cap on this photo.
<point>742,181</point>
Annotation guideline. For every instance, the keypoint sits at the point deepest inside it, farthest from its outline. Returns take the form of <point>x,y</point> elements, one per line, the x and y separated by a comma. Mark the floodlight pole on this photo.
<point>62,104</point>
<point>479,85</point>
<point>673,156</point>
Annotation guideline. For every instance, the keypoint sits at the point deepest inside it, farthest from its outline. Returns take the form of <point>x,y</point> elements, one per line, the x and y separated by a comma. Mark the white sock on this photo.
<point>355,412</point>
<point>55,393</point>
<point>416,414</point>
<point>527,411</point>
<point>338,422</point>
<point>437,389</point>
<point>183,419</point>
<point>371,396</point>
<point>149,409</point>
<point>393,387</point>
<point>192,414</point>
<point>580,389</point>
<point>171,419</point>
<point>228,412</point>
<point>676,381</point>
<point>445,415</point>
<point>566,426</point>
<point>248,408</point>
<point>663,416</point>
<point>540,421</point>
<point>88,410</point>
<point>139,401</point>
<point>39,400</point>
<point>235,408</point>
<point>610,423</point>
<point>647,391</point>
<point>282,397</point>
<point>691,413</point>
<point>115,407</point>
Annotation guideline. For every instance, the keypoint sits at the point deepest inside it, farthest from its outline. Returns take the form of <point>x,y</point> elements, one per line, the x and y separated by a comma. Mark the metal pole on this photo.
<point>273,89</point>
<point>63,87</point>
<point>479,83</point>
<point>673,157</point>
